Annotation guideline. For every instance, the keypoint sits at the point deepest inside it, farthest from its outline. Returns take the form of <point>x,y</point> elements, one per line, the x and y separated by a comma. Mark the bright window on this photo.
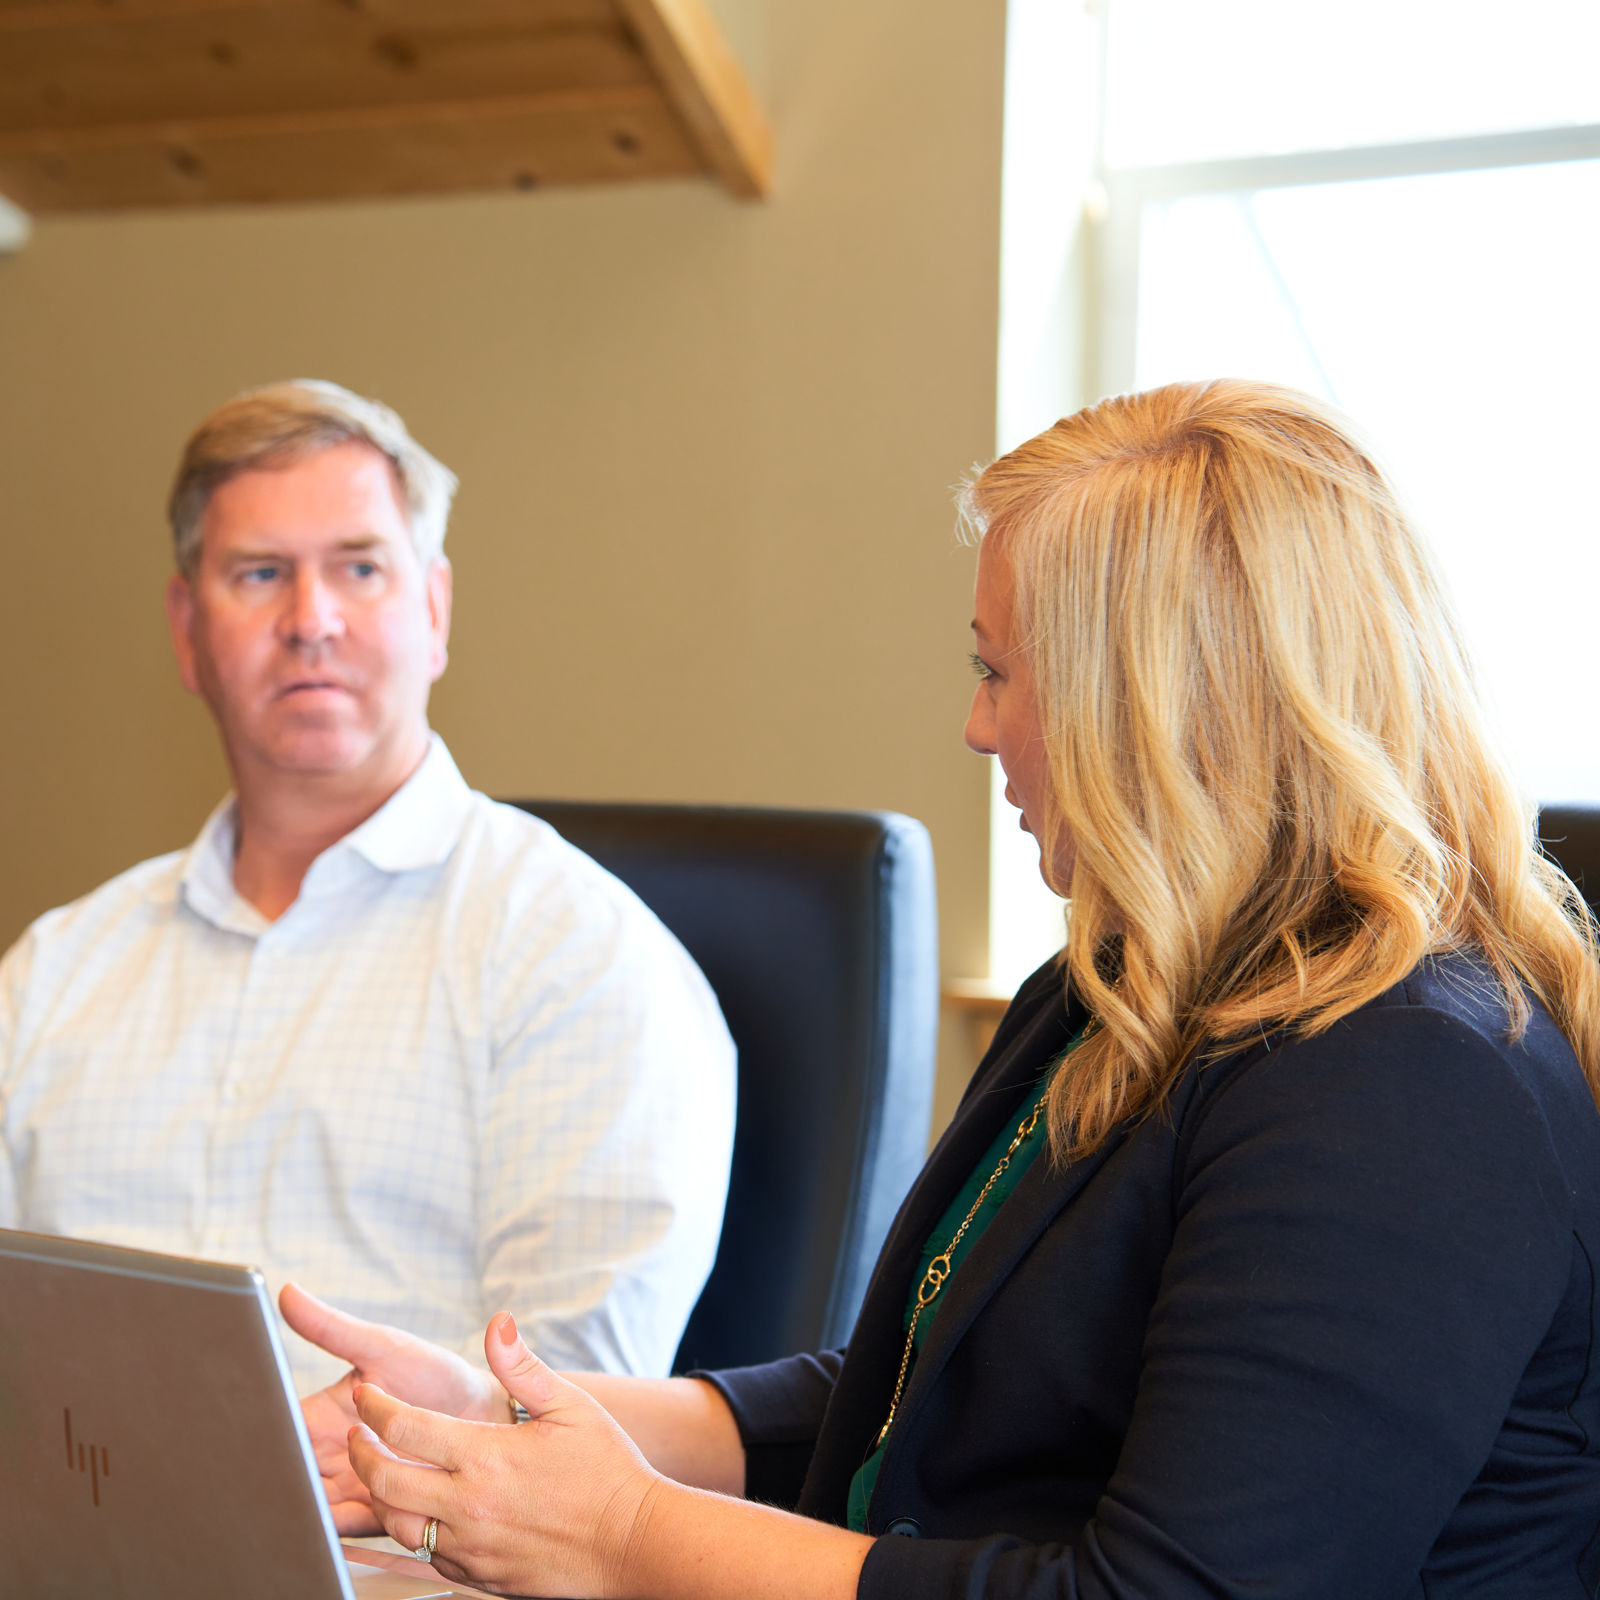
<point>1204,80</point>
<point>1395,205</point>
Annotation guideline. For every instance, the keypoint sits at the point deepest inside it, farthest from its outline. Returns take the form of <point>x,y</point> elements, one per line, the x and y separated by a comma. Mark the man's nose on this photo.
<point>312,616</point>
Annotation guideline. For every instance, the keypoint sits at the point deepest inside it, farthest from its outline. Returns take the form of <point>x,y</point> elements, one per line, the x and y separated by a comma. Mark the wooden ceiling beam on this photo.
<point>334,120</point>
<point>709,89</point>
<point>43,15</point>
<point>289,58</point>
<point>200,102</point>
<point>513,142</point>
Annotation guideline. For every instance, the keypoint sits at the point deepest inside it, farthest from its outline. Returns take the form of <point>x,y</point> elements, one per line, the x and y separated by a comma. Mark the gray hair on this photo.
<point>283,423</point>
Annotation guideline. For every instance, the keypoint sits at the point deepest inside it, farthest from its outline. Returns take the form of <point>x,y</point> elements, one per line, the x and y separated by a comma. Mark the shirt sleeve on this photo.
<point>778,1407</point>
<point>1372,1234</point>
<point>606,1135</point>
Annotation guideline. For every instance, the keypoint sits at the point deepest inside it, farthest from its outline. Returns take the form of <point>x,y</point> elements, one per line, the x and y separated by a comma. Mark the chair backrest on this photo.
<point>1571,838</point>
<point>817,930</point>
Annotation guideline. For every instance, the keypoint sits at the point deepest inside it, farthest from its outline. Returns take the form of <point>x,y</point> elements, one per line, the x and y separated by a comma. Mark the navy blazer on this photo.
<point>1324,1328</point>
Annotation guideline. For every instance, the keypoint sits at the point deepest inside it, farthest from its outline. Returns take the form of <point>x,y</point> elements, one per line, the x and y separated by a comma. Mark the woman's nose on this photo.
<point>979,731</point>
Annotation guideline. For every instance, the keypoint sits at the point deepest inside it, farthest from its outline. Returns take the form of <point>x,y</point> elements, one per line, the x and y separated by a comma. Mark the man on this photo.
<point>371,1031</point>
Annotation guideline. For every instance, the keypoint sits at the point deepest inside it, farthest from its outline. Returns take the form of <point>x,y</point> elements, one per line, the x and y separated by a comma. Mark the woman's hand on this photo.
<point>554,1507</point>
<point>566,1505</point>
<point>405,1365</point>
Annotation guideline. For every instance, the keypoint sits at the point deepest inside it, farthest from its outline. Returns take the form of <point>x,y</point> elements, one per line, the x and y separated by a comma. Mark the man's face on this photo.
<point>309,626</point>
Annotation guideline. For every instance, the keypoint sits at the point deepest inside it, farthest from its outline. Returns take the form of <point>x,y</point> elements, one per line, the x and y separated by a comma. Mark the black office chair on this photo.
<point>1571,838</point>
<point>818,932</point>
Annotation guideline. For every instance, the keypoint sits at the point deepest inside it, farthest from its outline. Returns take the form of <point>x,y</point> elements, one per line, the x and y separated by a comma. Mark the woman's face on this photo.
<point>1004,720</point>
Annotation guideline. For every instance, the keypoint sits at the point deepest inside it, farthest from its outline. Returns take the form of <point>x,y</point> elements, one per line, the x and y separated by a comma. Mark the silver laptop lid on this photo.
<point>151,1446</point>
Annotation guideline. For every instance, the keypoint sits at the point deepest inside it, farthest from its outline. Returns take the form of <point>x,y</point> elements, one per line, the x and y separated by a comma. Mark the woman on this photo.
<point>1257,1260</point>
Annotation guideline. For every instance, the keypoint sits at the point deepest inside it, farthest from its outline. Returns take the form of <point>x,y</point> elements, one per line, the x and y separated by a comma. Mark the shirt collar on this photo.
<point>417,826</point>
<point>206,882</point>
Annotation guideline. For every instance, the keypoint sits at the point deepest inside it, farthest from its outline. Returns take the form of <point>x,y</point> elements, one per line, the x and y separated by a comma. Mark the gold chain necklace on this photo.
<point>939,1269</point>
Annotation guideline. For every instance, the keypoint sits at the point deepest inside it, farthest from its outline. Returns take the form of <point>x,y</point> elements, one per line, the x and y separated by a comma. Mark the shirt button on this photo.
<point>909,1526</point>
<point>231,1092</point>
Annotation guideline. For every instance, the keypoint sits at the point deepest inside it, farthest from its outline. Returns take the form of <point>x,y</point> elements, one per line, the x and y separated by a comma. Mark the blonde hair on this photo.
<point>283,423</point>
<point>1263,739</point>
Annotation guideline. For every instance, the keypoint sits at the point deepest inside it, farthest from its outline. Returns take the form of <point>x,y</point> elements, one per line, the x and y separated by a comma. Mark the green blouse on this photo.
<point>861,1485</point>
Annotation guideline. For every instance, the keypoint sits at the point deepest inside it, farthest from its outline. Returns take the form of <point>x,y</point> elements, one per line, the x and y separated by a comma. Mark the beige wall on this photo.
<point>703,547</point>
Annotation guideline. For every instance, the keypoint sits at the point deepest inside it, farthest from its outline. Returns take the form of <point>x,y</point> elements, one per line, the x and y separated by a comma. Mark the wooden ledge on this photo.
<point>976,997</point>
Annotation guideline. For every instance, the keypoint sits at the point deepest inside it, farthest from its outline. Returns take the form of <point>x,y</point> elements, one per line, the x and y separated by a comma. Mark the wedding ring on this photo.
<point>430,1540</point>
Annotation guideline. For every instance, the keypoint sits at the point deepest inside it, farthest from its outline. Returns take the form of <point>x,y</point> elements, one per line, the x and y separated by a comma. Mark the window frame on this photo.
<point>1117,212</point>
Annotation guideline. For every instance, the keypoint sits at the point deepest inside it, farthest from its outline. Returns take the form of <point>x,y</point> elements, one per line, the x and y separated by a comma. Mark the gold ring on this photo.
<point>430,1540</point>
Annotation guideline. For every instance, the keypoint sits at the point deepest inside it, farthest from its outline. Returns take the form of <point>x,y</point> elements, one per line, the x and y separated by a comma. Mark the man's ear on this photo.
<point>440,590</point>
<point>180,624</point>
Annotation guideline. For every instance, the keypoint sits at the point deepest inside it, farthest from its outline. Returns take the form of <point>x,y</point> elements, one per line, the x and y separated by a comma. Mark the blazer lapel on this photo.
<point>991,1100</point>
<point>1041,1195</point>
<point>1036,1029</point>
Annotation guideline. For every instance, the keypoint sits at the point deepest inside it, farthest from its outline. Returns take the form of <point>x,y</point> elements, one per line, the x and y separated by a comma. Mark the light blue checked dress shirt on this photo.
<point>467,1070</point>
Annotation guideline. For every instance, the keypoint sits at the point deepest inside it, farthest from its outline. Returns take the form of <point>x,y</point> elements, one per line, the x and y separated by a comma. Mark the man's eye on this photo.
<point>979,665</point>
<point>363,569</point>
<point>257,575</point>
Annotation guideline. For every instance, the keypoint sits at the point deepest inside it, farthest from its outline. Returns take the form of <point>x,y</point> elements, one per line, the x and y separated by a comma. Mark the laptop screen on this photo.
<point>150,1442</point>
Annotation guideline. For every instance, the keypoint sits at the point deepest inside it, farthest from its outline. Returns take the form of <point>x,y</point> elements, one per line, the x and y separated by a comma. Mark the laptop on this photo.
<point>151,1443</point>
